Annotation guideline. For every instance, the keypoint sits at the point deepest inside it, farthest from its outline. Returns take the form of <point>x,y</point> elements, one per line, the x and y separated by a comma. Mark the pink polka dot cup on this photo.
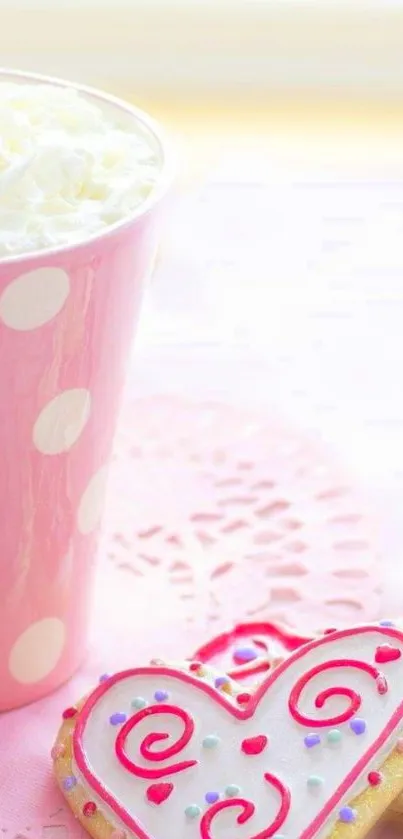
<point>67,317</point>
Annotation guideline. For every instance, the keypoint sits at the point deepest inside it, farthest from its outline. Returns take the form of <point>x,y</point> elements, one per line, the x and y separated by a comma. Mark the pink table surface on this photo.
<point>255,504</point>
<point>300,340</point>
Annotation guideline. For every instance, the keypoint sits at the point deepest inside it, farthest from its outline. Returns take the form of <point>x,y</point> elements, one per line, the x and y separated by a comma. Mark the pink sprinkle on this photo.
<point>58,751</point>
<point>69,713</point>
<point>243,698</point>
<point>89,809</point>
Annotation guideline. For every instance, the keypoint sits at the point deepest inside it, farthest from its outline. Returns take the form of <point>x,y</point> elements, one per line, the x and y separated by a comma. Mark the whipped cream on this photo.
<point>69,166</point>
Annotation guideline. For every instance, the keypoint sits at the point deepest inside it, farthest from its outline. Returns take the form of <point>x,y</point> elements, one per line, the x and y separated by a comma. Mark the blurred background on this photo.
<point>279,284</point>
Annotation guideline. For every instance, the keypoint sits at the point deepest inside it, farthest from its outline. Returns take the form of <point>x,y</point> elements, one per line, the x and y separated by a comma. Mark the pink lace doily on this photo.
<point>214,516</point>
<point>226,516</point>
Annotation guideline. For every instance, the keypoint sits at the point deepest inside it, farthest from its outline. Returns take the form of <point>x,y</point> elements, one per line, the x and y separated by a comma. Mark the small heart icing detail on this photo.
<point>386,653</point>
<point>158,793</point>
<point>254,745</point>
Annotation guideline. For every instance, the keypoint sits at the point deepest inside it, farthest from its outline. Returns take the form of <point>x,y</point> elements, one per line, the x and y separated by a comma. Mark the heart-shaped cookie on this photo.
<point>314,752</point>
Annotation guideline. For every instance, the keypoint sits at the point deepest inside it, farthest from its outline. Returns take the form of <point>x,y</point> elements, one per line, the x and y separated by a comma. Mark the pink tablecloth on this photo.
<point>214,516</point>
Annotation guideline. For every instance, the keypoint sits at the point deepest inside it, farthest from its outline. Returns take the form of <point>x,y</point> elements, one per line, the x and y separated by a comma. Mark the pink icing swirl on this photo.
<point>146,746</point>
<point>354,698</point>
<point>247,809</point>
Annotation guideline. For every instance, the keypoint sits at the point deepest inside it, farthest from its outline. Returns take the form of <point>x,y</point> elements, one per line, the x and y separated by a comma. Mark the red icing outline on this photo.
<point>155,737</point>
<point>238,713</point>
<point>221,643</point>
<point>324,695</point>
<point>248,809</point>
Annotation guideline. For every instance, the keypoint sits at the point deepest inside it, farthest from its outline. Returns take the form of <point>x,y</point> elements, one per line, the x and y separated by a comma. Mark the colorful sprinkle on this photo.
<point>347,814</point>
<point>243,698</point>
<point>69,713</point>
<point>211,741</point>
<point>160,695</point>
<point>212,797</point>
<point>104,678</point>
<point>89,809</point>
<point>194,667</point>
<point>58,751</point>
<point>375,778</point>
<point>138,703</point>
<point>232,790</point>
<point>69,783</point>
<point>314,781</point>
<point>311,740</point>
<point>220,681</point>
<point>334,736</point>
<point>386,623</point>
<point>399,745</point>
<point>118,718</point>
<point>358,726</point>
<point>192,811</point>
<point>244,654</point>
<point>330,630</point>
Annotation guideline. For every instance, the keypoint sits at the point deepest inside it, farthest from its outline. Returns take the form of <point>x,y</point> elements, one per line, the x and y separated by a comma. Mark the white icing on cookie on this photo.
<point>320,779</point>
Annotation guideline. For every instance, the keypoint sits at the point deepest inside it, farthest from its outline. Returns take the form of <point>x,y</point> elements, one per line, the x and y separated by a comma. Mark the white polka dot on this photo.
<point>61,421</point>
<point>34,298</point>
<point>92,502</point>
<point>37,651</point>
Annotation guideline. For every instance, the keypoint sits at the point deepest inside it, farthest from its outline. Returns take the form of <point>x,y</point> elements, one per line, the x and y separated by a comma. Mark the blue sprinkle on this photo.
<point>358,726</point>
<point>211,741</point>
<point>232,790</point>
<point>104,678</point>
<point>311,740</point>
<point>160,695</point>
<point>220,681</point>
<point>138,703</point>
<point>118,718</point>
<point>192,811</point>
<point>386,623</point>
<point>245,654</point>
<point>69,783</point>
<point>212,797</point>
<point>347,814</point>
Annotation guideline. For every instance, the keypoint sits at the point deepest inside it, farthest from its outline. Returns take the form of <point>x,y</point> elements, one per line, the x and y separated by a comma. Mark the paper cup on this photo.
<point>67,319</point>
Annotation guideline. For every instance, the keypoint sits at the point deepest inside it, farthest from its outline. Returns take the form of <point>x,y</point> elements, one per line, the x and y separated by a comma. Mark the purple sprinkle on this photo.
<point>311,740</point>
<point>118,718</point>
<point>160,695</point>
<point>347,814</point>
<point>220,681</point>
<point>69,783</point>
<point>212,797</point>
<point>358,726</point>
<point>104,678</point>
<point>386,623</point>
<point>245,654</point>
